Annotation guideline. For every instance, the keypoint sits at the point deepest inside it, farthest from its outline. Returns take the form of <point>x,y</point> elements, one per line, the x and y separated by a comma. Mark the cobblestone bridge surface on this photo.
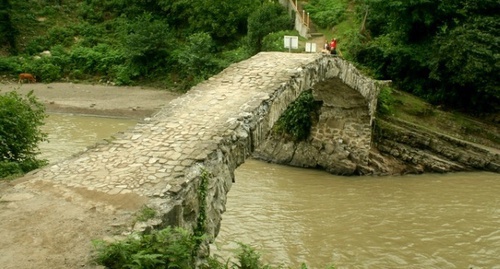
<point>149,159</point>
<point>156,160</point>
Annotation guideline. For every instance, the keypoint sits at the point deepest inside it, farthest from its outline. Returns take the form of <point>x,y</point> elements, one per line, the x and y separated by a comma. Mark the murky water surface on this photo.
<point>296,215</point>
<point>70,134</point>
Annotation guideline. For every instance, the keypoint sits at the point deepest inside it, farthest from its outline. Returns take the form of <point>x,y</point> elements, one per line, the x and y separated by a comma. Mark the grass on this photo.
<point>145,214</point>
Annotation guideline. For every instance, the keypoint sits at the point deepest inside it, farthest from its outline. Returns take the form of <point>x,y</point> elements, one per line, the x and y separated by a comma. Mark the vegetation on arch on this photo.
<point>296,121</point>
<point>21,118</point>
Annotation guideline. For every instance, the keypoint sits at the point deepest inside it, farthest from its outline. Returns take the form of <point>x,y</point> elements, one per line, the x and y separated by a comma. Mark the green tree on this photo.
<point>465,65</point>
<point>197,59</point>
<point>326,13</point>
<point>20,120</point>
<point>7,30</point>
<point>268,18</point>
<point>222,19</point>
<point>147,42</point>
<point>444,51</point>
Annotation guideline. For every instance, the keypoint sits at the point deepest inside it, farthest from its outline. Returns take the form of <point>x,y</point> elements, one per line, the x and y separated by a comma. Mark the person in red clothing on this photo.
<point>333,46</point>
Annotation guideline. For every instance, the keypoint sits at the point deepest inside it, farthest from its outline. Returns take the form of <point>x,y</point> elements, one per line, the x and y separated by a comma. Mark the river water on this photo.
<point>70,134</point>
<point>295,216</point>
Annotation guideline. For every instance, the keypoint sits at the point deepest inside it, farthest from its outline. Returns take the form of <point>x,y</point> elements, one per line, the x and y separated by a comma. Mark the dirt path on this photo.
<point>59,222</point>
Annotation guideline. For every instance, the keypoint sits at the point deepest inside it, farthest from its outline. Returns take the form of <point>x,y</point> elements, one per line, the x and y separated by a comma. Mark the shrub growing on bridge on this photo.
<point>20,120</point>
<point>297,120</point>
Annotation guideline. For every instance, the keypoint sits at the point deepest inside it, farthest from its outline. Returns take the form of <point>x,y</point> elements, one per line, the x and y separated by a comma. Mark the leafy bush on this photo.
<point>123,74</point>
<point>415,44</point>
<point>198,57</point>
<point>10,169</point>
<point>46,71</point>
<point>249,258</point>
<point>235,55</point>
<point>268,18</point>
<point>37,45</point>
<point>20,120</point>
<point>385,101</point>
<point>273,41</point>
<point>297,119</point>
<point>85,59</point>
<point>9,65</point>
<point>167,248</point>
<point>61,36</point>
<point>8,36</point>
<point>326,13</point>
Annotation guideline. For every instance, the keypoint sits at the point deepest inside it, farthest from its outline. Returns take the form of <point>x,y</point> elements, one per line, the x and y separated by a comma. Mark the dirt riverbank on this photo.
<point>45,226</point>
<point>102,100</point>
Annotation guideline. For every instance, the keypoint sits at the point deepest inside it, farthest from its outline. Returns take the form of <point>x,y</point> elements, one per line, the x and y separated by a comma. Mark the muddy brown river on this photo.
<point>295,216</point>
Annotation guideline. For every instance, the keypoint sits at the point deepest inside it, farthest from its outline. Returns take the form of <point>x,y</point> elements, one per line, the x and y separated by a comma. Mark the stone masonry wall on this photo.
<point>340,141</point>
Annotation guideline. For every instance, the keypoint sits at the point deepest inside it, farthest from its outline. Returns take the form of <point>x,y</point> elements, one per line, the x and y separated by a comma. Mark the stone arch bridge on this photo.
<point>213,128</point>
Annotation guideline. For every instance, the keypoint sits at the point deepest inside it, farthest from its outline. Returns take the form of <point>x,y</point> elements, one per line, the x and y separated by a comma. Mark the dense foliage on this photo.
<point>444,51</point>
<point>169,43</point>
<point>7,38</point>
<point>168,248</point>
<point>326,13</point>
<point>20,120</point>
<point>268,18</point>
<point>297,120</point>
<point>172,248</point>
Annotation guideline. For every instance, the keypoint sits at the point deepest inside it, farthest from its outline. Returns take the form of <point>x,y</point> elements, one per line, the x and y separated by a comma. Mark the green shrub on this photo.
<point>85,59</point>
<point>46,71</point>
<point>249,258</point>
<point>61,36</point>
<point>37,45</point>
<point>20,120</point>
<point>268,18</point>
<point>145,214</point>
<point>385,101</point>
<point>296,121</point>
<point>167,248</point>
<point>198,56</point>
<point>9,65</point>
<point>235,55</point>
<point>8,169</point>
<point>273,41</point>
<point>123,75</point>
<point>326,13</point>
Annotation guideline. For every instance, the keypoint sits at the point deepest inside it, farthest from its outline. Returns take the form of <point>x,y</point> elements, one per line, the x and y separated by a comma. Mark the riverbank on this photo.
<point>58,222</point>
<point>99,100</point>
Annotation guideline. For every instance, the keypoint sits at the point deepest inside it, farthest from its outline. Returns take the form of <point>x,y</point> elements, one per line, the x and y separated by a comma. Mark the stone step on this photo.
<point>316,34</point>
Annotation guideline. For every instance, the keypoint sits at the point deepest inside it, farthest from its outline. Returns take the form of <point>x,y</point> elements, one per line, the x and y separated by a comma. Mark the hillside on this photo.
<point>86,40</point>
